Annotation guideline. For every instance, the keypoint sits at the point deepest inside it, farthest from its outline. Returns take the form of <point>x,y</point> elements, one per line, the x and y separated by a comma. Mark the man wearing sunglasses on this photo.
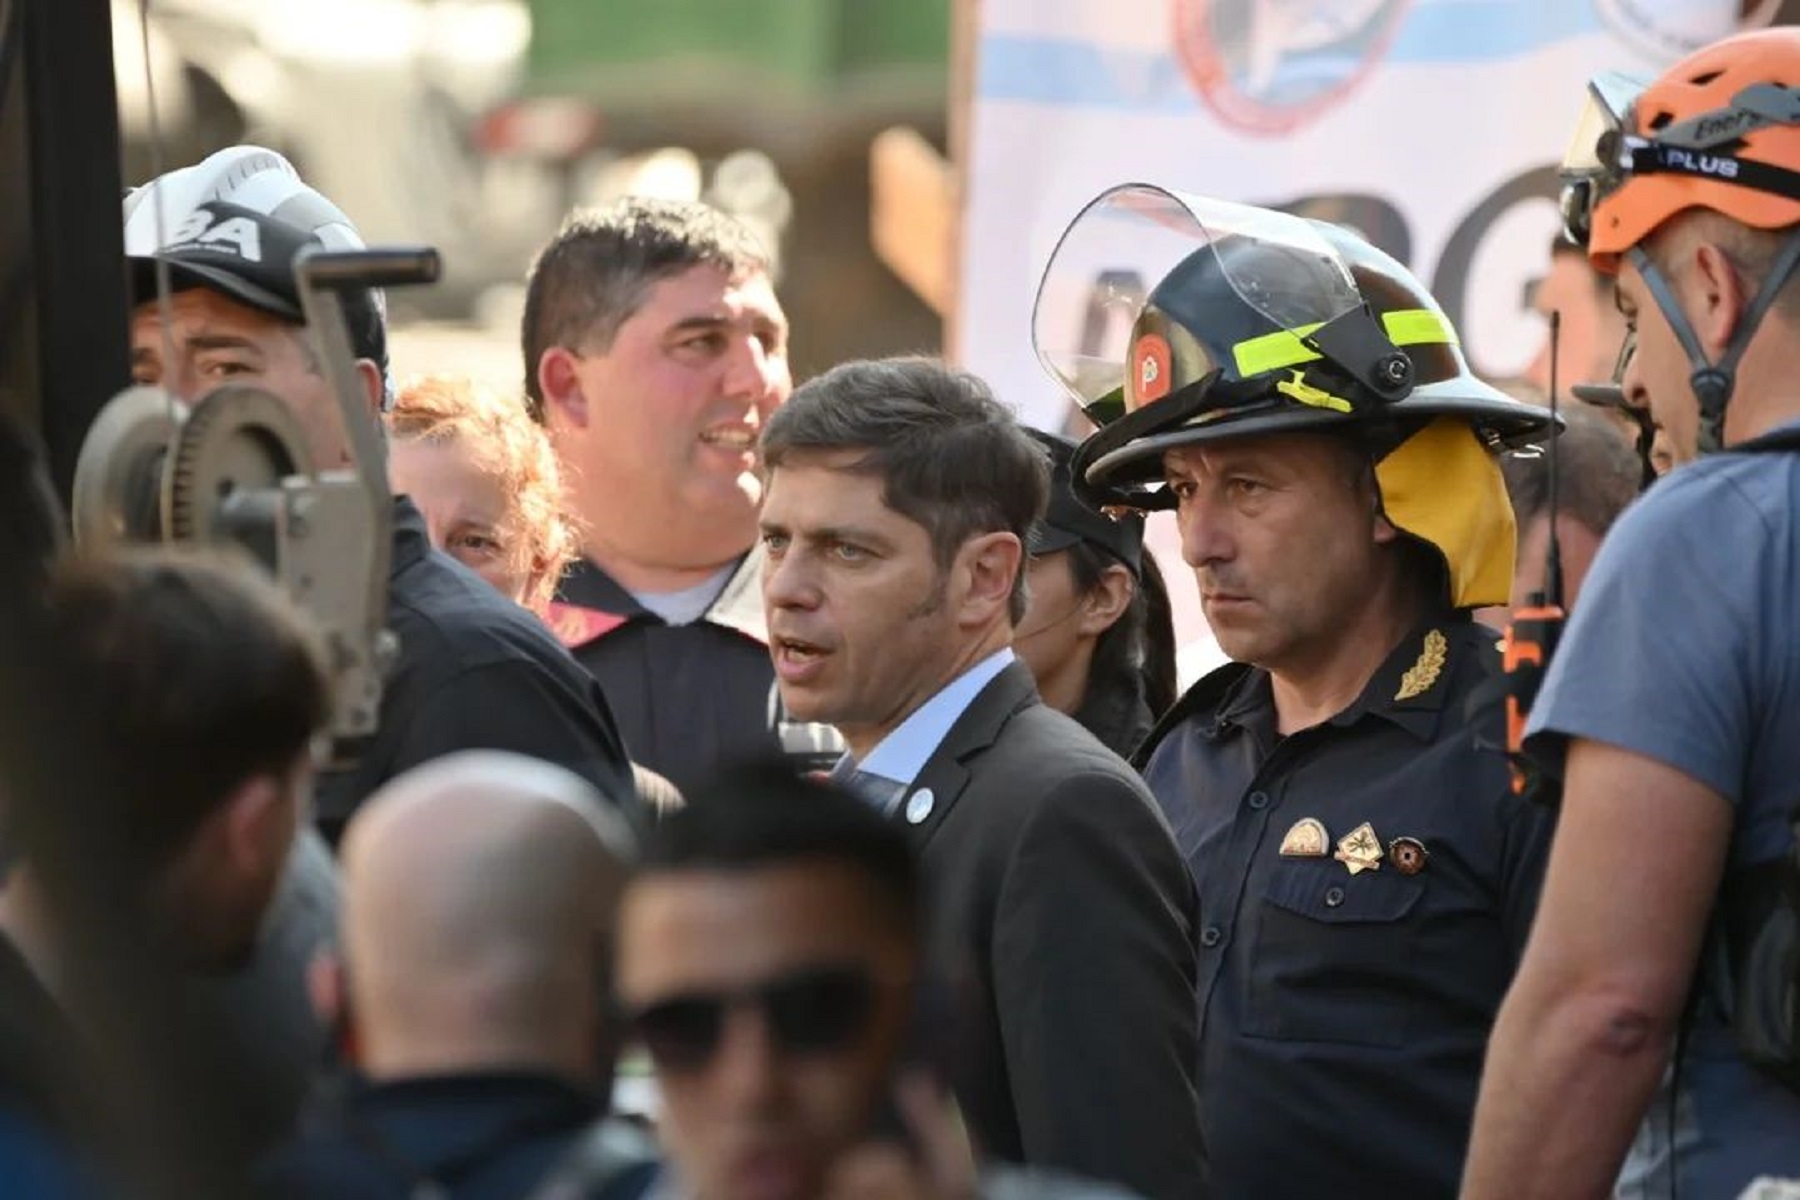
<point>771,960</point>
<point>899,499</point>
<point>1675,695</point>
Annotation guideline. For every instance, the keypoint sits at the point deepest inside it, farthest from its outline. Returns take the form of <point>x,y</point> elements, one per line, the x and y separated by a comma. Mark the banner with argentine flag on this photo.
<point>1433,126</point>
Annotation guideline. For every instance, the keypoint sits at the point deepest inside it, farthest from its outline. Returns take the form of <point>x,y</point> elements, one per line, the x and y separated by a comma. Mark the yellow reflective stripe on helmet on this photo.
<point>1273,351</point>
<point>1418,327</point>
<point>1311,396</point>
<point>1283,348</point>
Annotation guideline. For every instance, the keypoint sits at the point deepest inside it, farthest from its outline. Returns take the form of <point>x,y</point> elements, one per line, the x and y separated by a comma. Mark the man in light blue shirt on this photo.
<point>898,495</point>
<point>1676,690</point>
<point>895,762</point>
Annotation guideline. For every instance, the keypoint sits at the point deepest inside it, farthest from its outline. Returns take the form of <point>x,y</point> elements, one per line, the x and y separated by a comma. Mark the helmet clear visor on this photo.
<point>1594,162</point>
<point>1124,243</point>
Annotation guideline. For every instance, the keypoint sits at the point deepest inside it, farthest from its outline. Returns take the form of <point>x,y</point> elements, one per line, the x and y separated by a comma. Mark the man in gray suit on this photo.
<point>898,497</point>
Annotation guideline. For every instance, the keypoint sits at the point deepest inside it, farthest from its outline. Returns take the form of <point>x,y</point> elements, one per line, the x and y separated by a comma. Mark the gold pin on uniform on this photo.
<point>1360,849</point>
<point>1307,839</point>
<point>1422,674</point>
<point>1408,855</point>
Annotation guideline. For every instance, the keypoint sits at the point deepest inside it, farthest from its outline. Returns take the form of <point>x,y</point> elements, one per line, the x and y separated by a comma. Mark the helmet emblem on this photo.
<point>1151,357</point>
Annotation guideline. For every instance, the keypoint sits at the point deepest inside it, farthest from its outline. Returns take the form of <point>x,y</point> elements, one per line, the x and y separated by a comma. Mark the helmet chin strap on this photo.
<point>1712,383</point>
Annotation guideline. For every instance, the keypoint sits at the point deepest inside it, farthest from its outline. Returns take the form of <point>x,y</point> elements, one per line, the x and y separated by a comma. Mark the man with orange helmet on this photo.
<point>1676,690</point>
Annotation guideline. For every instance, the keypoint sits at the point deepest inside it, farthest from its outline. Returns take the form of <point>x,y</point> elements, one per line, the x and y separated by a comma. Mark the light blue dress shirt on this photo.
<point>902,754</point>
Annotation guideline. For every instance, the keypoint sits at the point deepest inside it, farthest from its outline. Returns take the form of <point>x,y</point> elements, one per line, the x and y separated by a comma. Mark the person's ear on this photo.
<point>1720,295</point>
<point>991,563</point>
<point>259,824</point>
<point>374,385</point>
<point>1384,530</point>
<point>560,386</point>
<point>1107,602</point>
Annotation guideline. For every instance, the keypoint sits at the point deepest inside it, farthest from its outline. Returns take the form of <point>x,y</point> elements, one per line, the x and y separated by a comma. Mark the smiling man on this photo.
<point>900,494</point>
<point>655,350</point>
<point>1366,875</point>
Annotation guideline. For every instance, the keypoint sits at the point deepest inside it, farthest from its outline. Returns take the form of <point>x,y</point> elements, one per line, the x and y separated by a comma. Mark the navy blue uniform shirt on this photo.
<point>689,698</point>
<point>1344,1015</point>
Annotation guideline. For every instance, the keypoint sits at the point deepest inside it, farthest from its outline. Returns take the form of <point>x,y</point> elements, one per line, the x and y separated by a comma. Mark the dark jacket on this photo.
<point>692,698</point>
<point>475,671</point>
<point>1066,917</point>
<point>491,1136</point>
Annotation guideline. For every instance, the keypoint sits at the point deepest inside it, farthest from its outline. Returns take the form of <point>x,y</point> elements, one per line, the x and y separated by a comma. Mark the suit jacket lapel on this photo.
<point>947,772</point>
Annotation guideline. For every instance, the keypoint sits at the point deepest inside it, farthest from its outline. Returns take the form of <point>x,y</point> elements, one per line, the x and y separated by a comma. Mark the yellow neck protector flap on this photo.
<point>1442,486</point>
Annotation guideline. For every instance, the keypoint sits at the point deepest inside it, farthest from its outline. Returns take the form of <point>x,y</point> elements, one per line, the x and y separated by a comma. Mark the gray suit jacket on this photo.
<point>1064,915</point>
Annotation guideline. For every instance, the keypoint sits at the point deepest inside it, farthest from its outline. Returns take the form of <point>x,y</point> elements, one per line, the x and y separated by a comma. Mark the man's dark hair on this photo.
<point>766,815</point>
<point>1598,474</point>
<point>199,673</point>
<point>596,271</point>
<point>368,327</point>
<point>950,456</point>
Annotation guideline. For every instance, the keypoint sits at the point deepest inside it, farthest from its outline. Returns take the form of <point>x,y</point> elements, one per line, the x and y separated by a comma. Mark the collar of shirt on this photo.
<point>738,606</point>
<point>902,754</point>
<point>689,604</point>
<point>1407,690</point>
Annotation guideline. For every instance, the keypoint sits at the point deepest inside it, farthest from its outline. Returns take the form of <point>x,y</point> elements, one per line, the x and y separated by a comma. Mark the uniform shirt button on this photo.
<point>1334,897</point>
<point>1211,936</point>
<point>1259,800</point>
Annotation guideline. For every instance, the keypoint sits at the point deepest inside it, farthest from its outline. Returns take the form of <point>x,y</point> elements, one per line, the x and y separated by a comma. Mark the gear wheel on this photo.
<point>236,438</point>
<point>116,493</point>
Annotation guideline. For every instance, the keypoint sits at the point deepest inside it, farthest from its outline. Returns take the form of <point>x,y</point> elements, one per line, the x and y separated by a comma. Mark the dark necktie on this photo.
<point>880,792</point>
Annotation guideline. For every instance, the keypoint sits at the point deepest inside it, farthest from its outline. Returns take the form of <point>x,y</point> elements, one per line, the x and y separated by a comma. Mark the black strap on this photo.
<point>1657,158</point>
<point>1712,382</point>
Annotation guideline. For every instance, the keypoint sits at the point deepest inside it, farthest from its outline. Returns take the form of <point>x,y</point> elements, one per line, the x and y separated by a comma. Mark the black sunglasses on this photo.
<point>815,1010</point>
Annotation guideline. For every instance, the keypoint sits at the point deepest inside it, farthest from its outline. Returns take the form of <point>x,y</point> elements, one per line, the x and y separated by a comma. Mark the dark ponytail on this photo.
<point>1135,657</point>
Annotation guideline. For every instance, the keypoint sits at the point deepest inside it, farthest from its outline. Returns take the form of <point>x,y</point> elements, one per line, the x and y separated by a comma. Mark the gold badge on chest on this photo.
<point>1420,677</point>
<point>1307,839</point>
<point>1360,850</point>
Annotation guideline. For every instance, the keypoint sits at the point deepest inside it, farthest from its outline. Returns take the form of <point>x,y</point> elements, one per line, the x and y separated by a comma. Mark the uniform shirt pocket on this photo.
<point>1333,955</point>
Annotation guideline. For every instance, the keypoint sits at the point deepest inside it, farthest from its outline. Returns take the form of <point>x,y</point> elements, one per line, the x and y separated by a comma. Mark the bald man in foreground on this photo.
<point>480,892</point>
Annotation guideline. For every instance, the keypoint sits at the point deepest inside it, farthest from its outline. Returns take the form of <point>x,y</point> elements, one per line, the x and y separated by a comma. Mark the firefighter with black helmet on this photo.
<point>1366,874</point>
<point>1655,1009</point>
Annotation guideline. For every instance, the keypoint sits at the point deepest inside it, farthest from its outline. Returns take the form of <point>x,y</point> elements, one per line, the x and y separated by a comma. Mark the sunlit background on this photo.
<point>475,125</point>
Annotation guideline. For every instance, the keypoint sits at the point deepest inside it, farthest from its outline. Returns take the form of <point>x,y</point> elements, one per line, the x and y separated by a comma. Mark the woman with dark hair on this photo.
<point>1097,631</point>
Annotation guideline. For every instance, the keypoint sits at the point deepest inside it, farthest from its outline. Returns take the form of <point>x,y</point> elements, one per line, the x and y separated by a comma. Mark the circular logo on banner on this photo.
<point>1270,66</point>
<point>1673,29</point>
<point>1151,365</point>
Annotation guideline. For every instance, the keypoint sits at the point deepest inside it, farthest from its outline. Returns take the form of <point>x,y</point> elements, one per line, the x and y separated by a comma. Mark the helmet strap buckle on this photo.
<point>1358,344</point>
